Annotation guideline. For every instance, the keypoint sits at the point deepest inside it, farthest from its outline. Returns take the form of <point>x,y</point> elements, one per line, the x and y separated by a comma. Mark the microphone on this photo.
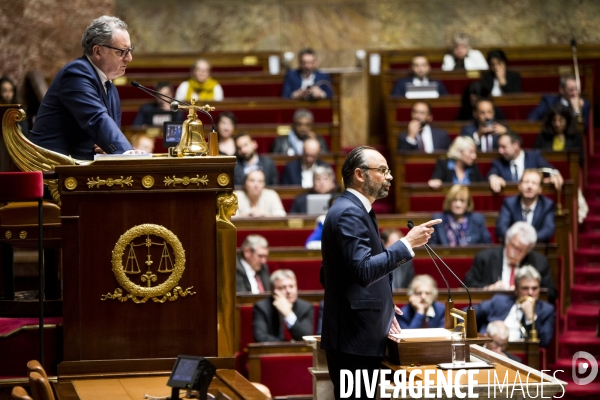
<point>470,320</point>
<point>573,43</point>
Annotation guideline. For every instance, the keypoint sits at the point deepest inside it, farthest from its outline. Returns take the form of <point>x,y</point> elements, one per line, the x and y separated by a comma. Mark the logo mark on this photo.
<point>582,367</point>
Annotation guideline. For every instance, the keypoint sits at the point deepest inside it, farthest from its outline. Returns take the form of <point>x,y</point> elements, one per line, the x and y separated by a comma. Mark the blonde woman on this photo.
<point>459,166</point>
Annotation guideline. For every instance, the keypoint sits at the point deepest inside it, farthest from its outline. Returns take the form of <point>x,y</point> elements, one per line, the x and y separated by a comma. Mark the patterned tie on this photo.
<point>511,280</point>
<point>261,287</point>
<point>526,212</point>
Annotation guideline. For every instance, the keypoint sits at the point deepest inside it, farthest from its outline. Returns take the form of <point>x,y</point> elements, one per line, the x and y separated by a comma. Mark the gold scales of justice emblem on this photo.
<point>141,293</point>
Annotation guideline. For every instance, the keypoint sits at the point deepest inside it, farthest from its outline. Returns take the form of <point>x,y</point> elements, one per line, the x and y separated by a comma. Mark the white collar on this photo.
<point>531,207</point>
<point>430,312</point>
<point>362,198</point>
<point>250,273</point>
<point>101,74</point>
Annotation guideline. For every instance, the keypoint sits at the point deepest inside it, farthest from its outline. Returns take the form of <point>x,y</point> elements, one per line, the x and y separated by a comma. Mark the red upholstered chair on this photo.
<point>287,374</point>
<point>27,187</point>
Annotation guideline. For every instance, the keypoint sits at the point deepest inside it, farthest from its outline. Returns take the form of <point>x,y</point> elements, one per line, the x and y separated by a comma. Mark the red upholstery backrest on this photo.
<point>278,237</point>
<point>307,272</point>
<point>21,186</point>
<point>450,112</point>
<point>286,375</point>
<point>460,266</point>
<point>245,328</point>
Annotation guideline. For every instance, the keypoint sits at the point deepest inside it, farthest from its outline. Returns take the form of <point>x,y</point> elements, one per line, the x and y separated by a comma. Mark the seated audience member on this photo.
<point>420,136</point>
<point>252,273</point>
<point>140,141</point>
<point>323,183</point>
<point>528,206</point>
<point>418,76</point>
<point>8,95</point>
<point>568,97</point>
<point>559,132</point>
<point>158,112</point>
<point>293,143</point>
<point>422,310</point>
<point>484,129</point>
<point>256,201</point>
<point>463,56</point>
<point>517,312</point>
<point>404,275</point>
<point>495,268</point>
<point>475,91</point>
<point>307,82</point>
<point>498,79</point>
<point>200,85</point>
<point>459,166</point>
<point>226,124</point>
<point>314,240</point>
<point>460,225</point>
<point>514,160</point>
<point>300,171</point>
<point>249,160</point>
<point>498,331</point>
<point>283,316</point>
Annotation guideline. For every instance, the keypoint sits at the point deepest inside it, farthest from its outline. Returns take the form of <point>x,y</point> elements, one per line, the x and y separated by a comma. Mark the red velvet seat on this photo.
<point>307,272</point>
<point>287,374</point>
<point>278,237</point>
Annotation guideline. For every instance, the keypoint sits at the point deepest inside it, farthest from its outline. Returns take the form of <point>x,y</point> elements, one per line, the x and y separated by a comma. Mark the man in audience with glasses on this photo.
<point>80,114</point>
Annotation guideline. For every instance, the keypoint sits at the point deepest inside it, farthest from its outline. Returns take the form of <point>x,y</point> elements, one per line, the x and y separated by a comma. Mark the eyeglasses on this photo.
<point>120,52</point>
<point>383,170</point>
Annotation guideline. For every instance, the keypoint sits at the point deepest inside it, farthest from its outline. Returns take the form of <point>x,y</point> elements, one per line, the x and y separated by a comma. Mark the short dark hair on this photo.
<point>163,84</point>
<point>483,100</point>
<point>241,134</point>
<point>355,159</point>
<point>13,100</point>
<point>423,102</point>
<point>565,112</point>
<point>304,51</point>
<point>499,54</point>
<point>227,114</point>
<point>565,78</point>
<point>514,137</point>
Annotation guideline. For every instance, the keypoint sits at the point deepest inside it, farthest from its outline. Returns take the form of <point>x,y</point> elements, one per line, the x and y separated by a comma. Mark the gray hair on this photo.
<point>303,113</point>
<point>198,61</point>
<point>528,235</point>
<point>497,328</point>
<point>527,272</point>
<point>100,32</point>
<point>282,274</point>
<point>423,280</point>
<point>324,170</point>
<point>458,145</point>
<point>565,78</point>
<point>461,38</point>
<point>254,241</point>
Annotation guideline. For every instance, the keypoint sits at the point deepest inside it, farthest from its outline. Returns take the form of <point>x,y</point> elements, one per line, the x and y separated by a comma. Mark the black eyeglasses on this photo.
<point>383,170</point>
<point>121,52</point>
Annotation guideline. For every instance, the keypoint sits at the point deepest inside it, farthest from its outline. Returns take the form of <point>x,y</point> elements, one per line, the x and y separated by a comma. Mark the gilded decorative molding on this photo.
<point>223,179</point>
<point>70,183</point>
<point>147,181</point>
<point>109,182</point>
<point>227,206</point>
<point>53,188</point>
<point>186,180</point>
<point>23,234</point>
<point>8,234</point>
<point>142,293</point>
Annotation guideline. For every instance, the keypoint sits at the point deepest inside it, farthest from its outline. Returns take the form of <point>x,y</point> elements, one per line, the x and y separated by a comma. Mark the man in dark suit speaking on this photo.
<point>81,109</point>
<point>356,271</point>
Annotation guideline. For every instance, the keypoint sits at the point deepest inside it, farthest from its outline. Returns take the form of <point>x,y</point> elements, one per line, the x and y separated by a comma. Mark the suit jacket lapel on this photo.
<point>372,226</point>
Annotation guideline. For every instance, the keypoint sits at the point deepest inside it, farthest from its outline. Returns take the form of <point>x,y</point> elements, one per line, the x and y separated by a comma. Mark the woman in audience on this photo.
<point>323,183</point>
<point>559,132</point>
<point>314,240</point>
<point>226,125</point>
<point>463,56</point>
<point>8,95</point>
<point>140,141</point>
<point>461,226</point>
<point>255,200</point>
<point>158,112</point>
<point>200,85</point>
<point>498,79</point>
<point>475,91</point>
<point>459,166</point>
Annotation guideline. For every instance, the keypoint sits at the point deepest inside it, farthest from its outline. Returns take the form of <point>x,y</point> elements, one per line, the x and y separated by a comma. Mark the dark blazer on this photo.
<point>282,144</point>
<point>470,130</point>
<point>538,113</point>
<point>446,175</point>
<point>477,232</point>
<point>292,172</point>
<point>356,275</point>
<point>242,284</point>
<point>265,164</point>
<point>76,113</point>
<point>533,159</point>
<point>293,81</point>
<point>147,112</point>
<point>400,86</point>
<point>572,142</point>
<point>487,269</point>
<point>410,319</point>
<point>511,212</point>
<point>441,141</point>
<point>402,277</point>
<point>267,323</point>
<point>513,81</point>
<point>498,307</point>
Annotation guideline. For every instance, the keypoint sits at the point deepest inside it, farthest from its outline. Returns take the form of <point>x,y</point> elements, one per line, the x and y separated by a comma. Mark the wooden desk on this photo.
<point>229,382</point>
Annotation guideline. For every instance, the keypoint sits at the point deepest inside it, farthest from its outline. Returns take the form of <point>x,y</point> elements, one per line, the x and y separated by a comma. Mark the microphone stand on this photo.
<point>577,80</point>
<point>448,318</point>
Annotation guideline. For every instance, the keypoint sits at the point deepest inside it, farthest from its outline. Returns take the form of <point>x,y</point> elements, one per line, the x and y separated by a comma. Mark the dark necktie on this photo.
<point>526,212</point>
<point>374,218</point>
<point>515,173</point>
<point>109,97</point>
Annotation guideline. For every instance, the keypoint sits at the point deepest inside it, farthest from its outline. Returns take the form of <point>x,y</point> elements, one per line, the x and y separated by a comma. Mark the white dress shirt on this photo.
<point>426,138</point>
<point>251,274</point>
<point>520,163</point>
<point>528,217</point>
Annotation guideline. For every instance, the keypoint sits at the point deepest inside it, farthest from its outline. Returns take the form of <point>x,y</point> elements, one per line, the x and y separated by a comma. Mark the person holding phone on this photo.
<point>485,130</point>
<point>420,135</point>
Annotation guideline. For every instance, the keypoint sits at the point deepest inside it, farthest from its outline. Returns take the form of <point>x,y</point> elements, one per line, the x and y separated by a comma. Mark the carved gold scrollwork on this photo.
<point>223,179</point>
<point>169,289</point>
<point>23,234</point>
<point>109,182</point>
<point>186,180</point>
<point>8,234</point>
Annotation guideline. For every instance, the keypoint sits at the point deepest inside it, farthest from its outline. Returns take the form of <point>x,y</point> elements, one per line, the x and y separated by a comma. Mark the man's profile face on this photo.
<point>420,67</point>
<point>570,89</point>
<point>377,184</point>
<point>516,250</point>
<point>302,126</point>
<point>308,63</point>
<point>530,185</point>
<point>484,111</point>
<point>420,112</point>
<point>246,147</point>
<point>528,287</point>
<point>256,257</point>
<point>508,150</point>
<point>311,151</point>
<point>107,59</point>
<point>287,288</point>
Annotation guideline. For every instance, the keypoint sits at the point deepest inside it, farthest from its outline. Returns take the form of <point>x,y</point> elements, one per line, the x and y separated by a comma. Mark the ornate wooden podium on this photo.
<point>148,264</point>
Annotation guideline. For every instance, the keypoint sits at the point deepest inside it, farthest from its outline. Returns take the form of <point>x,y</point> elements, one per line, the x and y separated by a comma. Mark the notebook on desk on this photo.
<point>317,203</point>
<point>429,91</point>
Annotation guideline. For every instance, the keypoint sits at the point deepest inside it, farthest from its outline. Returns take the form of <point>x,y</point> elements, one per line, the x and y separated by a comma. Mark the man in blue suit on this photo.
<point>484,130</point>
<point>529,206</point>
<point>517,310</point>
<point>567,96</point>
<point>420,135</point>
<point>307,82</point>
<point>420,69</point>
<point>422,310</point>
<point>300,171</point>
<point>81,111</point>
<point>514,160</point>
<point>356,270</point>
